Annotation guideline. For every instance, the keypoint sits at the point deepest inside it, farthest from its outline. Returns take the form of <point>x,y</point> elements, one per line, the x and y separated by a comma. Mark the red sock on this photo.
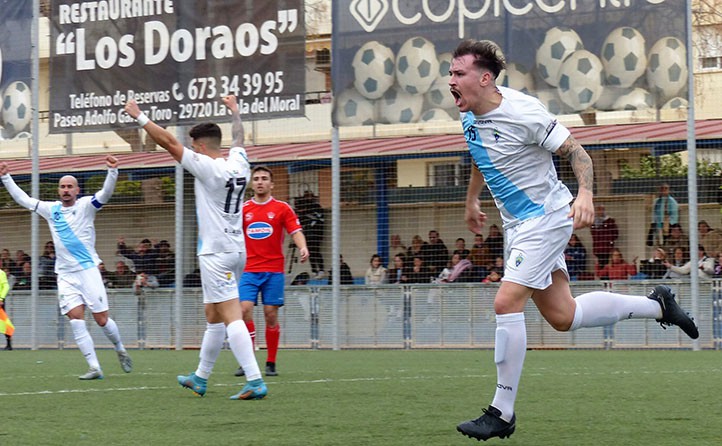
<point>272,336</point>
<point>252,331</point>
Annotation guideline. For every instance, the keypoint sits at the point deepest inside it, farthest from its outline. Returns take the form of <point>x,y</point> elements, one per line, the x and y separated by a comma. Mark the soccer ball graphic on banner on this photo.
<point>550,99</point>
<point>516,76</point>
<point>398,106</point>
<point>439,95</point>
<point>667,68</point>
<point>353,109</point>
<point>16,111</point>
<point>416,65</point>
<point>624,56</point>
<point>580,80</point>
<point>373,67</point>
<point>637,99</point>
<point>435,114</point>
<point>675,102</point>
<point>558,44</point>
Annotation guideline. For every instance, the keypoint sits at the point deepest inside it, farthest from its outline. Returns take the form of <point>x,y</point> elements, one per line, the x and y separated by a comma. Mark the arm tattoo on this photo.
<point>237,130</point>
<point>580,161</point>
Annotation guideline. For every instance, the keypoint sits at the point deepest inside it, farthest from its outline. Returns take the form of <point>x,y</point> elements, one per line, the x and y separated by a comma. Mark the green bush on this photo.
<point>668,166</point>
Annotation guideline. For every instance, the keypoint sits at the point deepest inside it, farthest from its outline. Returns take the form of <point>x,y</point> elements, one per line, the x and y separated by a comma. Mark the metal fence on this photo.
<point>389,317</point>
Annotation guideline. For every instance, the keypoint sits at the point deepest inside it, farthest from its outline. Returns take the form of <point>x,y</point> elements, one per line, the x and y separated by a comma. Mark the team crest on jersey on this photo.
<point>249,216</point>
<point>259,230</point>
<point>497,135</point>
<point>518,259</point>
<point>271,215</point>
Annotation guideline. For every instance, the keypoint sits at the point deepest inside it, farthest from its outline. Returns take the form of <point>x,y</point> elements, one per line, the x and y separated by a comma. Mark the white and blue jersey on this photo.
<point>72,227</point>
<point>512,147</point>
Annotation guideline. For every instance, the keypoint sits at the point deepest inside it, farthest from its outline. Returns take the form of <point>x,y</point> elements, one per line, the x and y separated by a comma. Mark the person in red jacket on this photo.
<point>617,268</point>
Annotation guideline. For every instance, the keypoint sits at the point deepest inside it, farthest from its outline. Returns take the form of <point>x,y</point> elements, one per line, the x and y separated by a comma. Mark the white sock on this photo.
<point>242,349</point>
<point>600,308</point>
<point>509,353</point>
<point>113,334</point>
<point>84,342</point>
<point>211,347</point>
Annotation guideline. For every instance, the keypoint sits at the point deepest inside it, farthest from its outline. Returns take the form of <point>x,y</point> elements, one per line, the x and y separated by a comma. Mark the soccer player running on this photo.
<point>72,226</point>
<point>511,138</point>
<point>219,187</point>
<point>264,220</point>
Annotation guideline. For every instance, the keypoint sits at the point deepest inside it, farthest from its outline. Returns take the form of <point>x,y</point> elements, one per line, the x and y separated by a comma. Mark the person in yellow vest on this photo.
<point>6,326</point>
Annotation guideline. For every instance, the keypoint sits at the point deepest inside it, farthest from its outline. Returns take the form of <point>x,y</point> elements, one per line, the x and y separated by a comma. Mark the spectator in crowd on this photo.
<point>705,264</point>
<point>459,270</point>
<point>397,273</point>
<point>419,272</point>
<point>416,248</point>
<point>617,268</point>
<point>192,279</point>
<point>676,238</point>
<point>460,248</point>
<point>20,259</point>
<point>310,213</point>
<point>165,264</point>
<point>665,213</point>
<point>679,259</point>
<point>346,278</point>
<point>479,255</point>
<point>495,242</point>
<point>47,260</point>
<point>143,257</point>
<point>718,266</point>
<point>494,276</point>
<point>604,234</point>
<point>576,257</point>
<point>709,238</point>
<point>376,272</point>
<point>301,278</point>
<point>436,254</point>
<point>655,267</point>
<point>106,275</point>
<point>123,276</point>
<point>144,281</point>
<point>7,262</point>
<point>23,278</point>
<point>395,245</point>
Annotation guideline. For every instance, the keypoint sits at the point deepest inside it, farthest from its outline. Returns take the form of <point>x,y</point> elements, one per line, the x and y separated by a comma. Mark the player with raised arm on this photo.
<point>72,225</point>
<point>511,138</point>
<point>219,187</point>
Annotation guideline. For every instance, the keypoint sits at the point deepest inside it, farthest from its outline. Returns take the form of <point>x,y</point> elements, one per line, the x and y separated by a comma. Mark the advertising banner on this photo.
<point>176,58</point>
<point>15,68</point>
<point>391,58</point>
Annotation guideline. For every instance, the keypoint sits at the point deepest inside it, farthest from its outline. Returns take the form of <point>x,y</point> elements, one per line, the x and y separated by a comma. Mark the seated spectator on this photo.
<point>395,245</point>
<point>165,264</point>
<point>144,281</point>
<point>47,260</point>
<point>6,262</point>
<point>346,278</point>
<point>495,242</point>
<point>718,266</point>
<point>23,279</point>
<point>679,259</point>
<point>105,274</point>
<point>417,244</point>
<point>193,279</point>
<point>123,276</point>
<point>457,267</point>
<point>376,273</point>
<point>575,255</point>
<point>460,248</point>
<point>143,257</point>
<point>616,269</point>
<point>705,264</point>
<point>479,254</point>
<point>419,273</point>
<point>20,259</point>
<point>495,275</point>
<point>301,279</point>
<point>709,238</point>
<point>397,273</point>
<point>436,254</point>
<point>654,268</point>
<point>676,239</point>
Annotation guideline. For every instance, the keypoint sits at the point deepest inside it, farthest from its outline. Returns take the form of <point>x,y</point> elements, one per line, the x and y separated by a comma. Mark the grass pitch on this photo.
<point>362,397</point>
